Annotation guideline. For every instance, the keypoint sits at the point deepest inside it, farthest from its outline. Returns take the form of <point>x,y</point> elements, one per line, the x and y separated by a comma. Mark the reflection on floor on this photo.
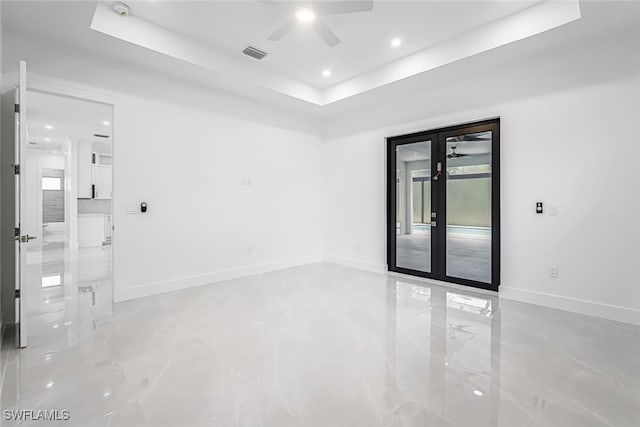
<point>323,345</point>
<point>468,255</point>
<point>67,292</point>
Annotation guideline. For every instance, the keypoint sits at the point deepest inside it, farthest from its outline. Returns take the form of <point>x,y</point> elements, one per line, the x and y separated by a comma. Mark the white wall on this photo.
<point>203,224</point>
<point>71,194</point>
<point>185,151</point>
<point>577,149</point>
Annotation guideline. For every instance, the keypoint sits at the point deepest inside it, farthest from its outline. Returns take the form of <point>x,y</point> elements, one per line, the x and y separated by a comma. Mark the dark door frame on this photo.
<point>438,201</point>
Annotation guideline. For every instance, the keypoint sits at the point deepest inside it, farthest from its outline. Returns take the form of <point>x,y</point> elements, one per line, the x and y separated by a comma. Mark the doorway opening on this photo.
<point>67,285</point>
<point>443,204</point>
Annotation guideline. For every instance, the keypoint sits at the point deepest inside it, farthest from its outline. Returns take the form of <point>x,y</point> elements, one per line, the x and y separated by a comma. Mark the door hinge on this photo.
<point>16,232</point>
<point>16,108</point>
<point>17,293</point>
<point>16,169</point>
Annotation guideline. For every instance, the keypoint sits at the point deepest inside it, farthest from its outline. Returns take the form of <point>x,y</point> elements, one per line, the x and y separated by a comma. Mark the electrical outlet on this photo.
<point>553,271</point>
<point>246,181</point>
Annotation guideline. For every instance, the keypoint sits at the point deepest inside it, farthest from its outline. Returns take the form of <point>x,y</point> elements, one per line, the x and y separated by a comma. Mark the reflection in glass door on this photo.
<point>468,192</point>
<point>443,204</point>
<point>413,206</point>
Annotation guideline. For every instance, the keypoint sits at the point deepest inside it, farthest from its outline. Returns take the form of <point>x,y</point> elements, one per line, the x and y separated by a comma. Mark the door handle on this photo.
<point>24,239</point>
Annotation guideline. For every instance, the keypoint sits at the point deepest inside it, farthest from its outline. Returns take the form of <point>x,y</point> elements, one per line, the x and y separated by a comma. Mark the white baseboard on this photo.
<point>590,308</point>
<point>361,265</point>
<point>154,288</point>
<point>575,305</point>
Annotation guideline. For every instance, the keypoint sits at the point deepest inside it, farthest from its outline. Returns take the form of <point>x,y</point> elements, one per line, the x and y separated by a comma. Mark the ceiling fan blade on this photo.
<point>283,30</point>
<point>325,33</point>
<point>337,7</point>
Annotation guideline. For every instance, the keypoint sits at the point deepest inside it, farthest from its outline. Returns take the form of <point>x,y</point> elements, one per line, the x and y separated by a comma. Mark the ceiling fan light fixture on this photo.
<point>305,15</point>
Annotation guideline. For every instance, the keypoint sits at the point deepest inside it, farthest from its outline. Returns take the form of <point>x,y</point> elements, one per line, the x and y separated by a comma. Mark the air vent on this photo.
<point>254,53</point>
<point>97,135</point>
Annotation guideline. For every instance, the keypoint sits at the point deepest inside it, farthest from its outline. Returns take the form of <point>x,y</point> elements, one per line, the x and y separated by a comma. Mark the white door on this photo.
<point>21,237</point>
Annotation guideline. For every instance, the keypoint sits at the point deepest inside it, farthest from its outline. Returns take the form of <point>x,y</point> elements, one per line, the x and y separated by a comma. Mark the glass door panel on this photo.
<point>413,206</point>
<point>468,206</point>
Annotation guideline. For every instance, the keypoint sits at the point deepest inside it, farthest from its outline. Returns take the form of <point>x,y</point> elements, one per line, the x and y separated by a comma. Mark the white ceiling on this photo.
<point>51,33</point>
<point>70,118</point>
<point>301,54</point>
<point>211,35</point>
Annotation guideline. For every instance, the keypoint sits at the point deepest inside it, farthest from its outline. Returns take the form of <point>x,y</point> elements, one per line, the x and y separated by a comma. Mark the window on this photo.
<point>49,183</point>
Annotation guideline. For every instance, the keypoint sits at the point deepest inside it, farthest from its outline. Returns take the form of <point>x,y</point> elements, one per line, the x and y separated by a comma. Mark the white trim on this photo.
<point>154,288</point>
<point>360,265</point>
<point>575,305</point>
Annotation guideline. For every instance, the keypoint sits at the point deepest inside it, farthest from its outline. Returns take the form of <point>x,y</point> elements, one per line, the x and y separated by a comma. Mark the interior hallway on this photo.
<point>321,345</point>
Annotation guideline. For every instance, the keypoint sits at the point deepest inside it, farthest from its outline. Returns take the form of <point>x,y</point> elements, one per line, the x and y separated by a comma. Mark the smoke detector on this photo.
<point>121,9</point>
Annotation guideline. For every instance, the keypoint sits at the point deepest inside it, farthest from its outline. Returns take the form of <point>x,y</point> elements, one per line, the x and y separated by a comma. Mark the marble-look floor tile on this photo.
<point>325,345</point>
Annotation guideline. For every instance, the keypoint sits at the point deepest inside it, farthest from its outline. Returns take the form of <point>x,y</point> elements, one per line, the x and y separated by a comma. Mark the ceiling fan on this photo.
<point>454,154</point>
<point>470,137</point>
<point>309,13</point>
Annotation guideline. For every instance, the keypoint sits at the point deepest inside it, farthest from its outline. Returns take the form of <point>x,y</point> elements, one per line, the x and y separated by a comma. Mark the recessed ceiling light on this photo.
<point>305,15</point>
<point>48,127</point>
<point>477,392</point>
<point>326,73</point>
<point>106,123</point>
<point>396,42</point>
<point>47,139</point>
<point>121,9</point>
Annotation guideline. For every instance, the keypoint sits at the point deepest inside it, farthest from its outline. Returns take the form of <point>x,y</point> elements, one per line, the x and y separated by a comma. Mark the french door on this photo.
<point>443,204</point>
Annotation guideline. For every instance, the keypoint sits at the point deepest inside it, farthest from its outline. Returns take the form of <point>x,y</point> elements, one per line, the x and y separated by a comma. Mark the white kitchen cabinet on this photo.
<point>91,230</point>
<point>102,182</point>
<point>85,171</point>
<point>94,173</point>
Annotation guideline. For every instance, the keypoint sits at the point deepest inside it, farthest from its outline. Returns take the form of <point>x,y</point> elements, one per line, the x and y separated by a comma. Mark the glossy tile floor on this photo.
<point>325,345</point>
<point>70,288</point>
